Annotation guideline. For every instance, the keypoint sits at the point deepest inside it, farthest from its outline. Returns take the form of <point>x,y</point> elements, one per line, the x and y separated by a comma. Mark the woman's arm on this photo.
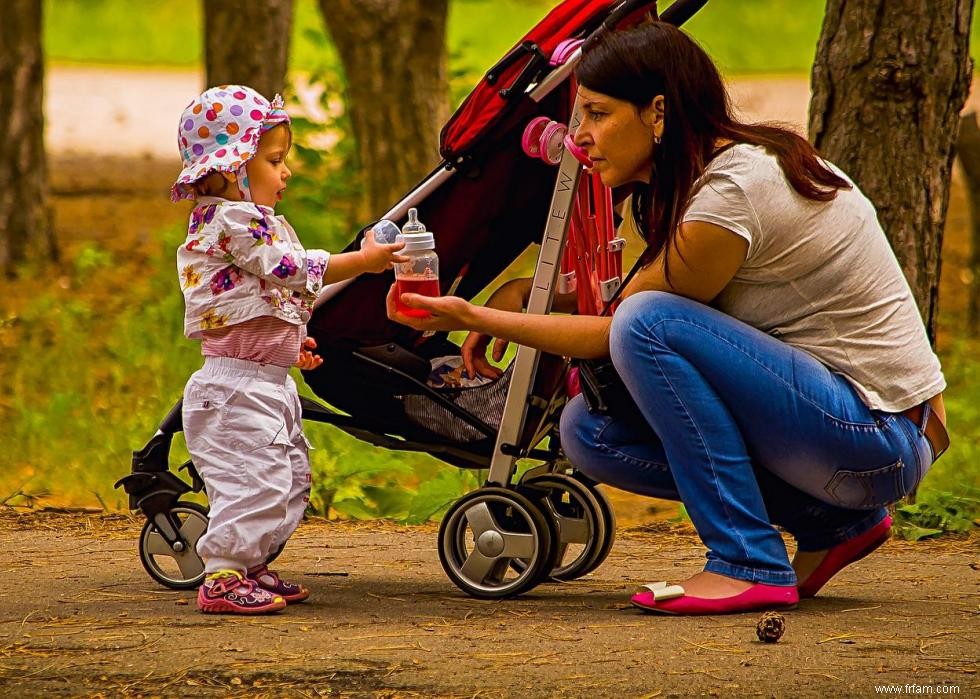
<point>571,336</point>
<point>702,263</point>
<point>704,260</point>
<point>511,296</point>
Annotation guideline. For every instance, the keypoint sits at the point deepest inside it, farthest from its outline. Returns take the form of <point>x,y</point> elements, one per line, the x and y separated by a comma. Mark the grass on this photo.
<point>949,498</point>
<point>88,370</point>
<point>88,375</point>
<point>168,33</point>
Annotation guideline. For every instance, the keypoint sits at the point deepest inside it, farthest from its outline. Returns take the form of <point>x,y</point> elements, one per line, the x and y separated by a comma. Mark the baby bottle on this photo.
<point>420,274</point>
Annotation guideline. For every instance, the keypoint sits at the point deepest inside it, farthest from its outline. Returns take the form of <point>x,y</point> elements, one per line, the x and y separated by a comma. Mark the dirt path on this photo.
<point>78,616</point>
<point>139,107</point>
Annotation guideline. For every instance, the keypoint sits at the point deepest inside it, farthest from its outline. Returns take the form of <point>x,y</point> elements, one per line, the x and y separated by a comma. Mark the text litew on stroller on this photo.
<point>491,197</point>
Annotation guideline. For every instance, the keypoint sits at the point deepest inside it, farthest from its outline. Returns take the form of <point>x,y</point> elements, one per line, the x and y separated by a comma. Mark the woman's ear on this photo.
<point>229,176</point>
<point>653,115</point>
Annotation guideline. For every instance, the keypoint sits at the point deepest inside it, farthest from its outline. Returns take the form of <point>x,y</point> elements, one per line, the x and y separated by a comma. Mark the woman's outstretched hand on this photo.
<point>446,313</point>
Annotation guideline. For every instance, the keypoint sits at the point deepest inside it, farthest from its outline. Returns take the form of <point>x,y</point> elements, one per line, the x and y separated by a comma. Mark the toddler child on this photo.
<point>248,287</point>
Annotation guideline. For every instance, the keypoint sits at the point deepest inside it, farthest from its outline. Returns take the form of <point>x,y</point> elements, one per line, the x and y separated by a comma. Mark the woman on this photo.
<point>770,342</point>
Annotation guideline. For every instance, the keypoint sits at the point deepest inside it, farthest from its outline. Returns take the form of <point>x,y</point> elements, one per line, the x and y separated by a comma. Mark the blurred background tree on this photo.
<point>394,59</point>
<point>25,222</point>
<point>246,42</point>
<point>889,81</point>
<point>968,150</point>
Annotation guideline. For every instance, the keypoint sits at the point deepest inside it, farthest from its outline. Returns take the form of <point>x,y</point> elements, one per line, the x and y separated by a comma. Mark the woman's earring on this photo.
<point>656,139</point>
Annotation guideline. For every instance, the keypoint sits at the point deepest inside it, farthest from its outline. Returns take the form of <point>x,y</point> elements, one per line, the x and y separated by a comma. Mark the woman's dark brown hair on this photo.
<point>659,59</point>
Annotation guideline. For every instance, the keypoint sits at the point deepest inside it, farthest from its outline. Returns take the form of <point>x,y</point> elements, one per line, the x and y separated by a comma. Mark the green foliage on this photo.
<point>83,375</point>
<point>123,32</point>
<point>936,513</point>
<point>949,496</point>
<point>87,376</point>
<point>749,36</point>
<point>759,36</point>
<point>169,33</point>
<point>322,189</point>
<point>90,258</point>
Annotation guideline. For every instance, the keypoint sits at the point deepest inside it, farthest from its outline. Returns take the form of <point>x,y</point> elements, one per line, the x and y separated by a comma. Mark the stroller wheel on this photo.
<point>178,570</point>
<point>581,522</point>
<point>608,517</point>
<point>484,532</point>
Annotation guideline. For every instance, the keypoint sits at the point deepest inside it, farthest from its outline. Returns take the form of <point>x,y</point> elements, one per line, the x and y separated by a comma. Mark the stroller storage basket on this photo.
<point>486,403</point>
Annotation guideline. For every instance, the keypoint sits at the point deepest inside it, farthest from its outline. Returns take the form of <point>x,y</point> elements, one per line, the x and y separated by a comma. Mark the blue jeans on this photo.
<point>748,432</point>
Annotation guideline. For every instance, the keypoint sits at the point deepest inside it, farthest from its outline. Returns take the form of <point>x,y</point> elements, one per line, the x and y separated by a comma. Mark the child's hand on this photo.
<point>307,359</point>
<point>380,256</point>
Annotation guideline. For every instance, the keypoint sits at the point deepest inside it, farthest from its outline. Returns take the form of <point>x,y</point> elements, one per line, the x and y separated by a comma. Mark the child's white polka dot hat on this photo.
<point>219,132</point>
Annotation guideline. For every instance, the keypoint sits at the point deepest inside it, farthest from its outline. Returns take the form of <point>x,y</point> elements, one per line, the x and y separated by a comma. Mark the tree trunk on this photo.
<point>968,148</point>
<point>394,57</point>
<point>25,222</point>
<point>889,80</point>
<point>246,42</point>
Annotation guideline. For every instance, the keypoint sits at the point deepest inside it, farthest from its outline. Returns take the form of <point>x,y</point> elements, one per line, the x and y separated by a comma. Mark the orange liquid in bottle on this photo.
<point>426,287</point>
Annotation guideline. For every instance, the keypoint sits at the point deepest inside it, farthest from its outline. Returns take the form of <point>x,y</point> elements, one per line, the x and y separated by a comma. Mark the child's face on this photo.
<point>267,171</point>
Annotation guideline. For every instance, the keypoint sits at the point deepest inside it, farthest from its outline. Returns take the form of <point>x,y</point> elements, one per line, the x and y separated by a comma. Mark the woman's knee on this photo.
<point>639,320</point>
<point>577,439</point>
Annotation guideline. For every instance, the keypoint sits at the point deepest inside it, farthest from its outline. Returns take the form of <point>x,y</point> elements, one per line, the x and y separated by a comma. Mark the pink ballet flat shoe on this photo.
<point>844,554</point>
<point>662,598</point>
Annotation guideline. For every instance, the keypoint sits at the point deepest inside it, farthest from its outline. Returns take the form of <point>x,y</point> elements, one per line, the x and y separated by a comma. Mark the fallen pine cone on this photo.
<point>770,627</point>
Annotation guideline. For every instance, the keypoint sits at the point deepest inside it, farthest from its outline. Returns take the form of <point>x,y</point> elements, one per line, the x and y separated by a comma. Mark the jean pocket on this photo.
<point>867,490</point>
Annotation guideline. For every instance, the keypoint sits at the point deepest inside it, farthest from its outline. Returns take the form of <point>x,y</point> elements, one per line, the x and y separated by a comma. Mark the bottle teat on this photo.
<point>413,225</point>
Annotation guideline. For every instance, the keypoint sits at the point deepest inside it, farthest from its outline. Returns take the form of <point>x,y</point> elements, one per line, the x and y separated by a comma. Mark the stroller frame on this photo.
<point>501,539</point>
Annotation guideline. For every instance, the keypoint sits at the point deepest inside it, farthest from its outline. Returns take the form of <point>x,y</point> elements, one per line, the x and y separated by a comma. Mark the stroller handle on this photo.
<point>679,12</point>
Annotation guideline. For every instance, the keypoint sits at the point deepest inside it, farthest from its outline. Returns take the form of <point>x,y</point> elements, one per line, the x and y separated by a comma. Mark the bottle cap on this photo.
<point>385,231</point>
<point>417,241</point>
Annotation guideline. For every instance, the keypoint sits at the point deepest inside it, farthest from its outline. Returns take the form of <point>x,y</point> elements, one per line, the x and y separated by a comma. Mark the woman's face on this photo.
<point>618,136</point>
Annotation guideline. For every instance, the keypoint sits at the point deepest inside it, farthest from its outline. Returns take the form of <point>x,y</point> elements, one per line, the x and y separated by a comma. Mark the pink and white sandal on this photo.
<point>231,592</point>
<point>269,580</point>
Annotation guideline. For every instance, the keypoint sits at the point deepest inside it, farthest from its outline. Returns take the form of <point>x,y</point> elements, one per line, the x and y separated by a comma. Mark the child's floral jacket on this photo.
<point>241,261</point>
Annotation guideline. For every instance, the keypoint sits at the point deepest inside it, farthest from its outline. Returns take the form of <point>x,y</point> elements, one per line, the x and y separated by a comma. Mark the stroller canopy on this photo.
<point>507,80</point>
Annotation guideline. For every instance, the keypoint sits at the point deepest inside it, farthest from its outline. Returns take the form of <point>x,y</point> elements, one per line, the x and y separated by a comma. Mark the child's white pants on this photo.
<point>242,424</point>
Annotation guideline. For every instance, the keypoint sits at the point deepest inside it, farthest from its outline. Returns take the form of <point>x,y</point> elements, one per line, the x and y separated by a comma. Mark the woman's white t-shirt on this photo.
<point>820,276</point>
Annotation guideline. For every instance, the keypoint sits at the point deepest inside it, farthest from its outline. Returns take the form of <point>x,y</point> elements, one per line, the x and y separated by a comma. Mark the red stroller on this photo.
<point>491,197</point>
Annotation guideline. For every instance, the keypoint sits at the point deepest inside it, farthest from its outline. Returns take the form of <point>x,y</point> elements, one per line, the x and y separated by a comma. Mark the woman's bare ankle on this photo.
<point>709,585</point>
<point>805,562</point>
